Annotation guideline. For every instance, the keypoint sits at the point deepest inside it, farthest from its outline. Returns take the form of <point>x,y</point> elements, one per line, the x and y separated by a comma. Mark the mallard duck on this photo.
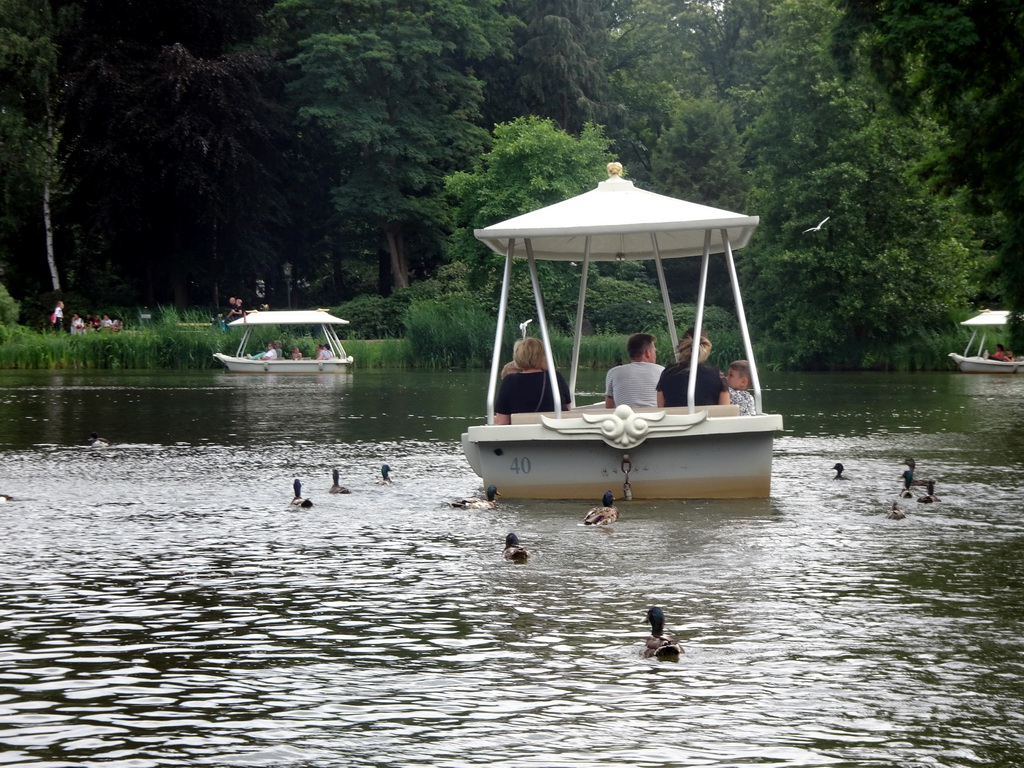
<point>385,475</point>
<point>98,442</point>
<point>895,513</point>
<point>839,472</point>
<point>912,467</point>
<point>336,488</point>
<point>658,644</point>
<point>929,497</point>
<point>513,551</point>
<point>604,514</point>
<point>298,501</point>
<point>475,502</point>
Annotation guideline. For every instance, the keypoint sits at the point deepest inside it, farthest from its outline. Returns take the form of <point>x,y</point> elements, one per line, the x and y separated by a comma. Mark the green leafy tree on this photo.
<point>389,85</point>
<point>891,250</point>
<point>698,157</point>
<point>28,122</point>
<point>557,67</point>
<point>532,163</point>
<point>172,144</point>
<point>964,64</point>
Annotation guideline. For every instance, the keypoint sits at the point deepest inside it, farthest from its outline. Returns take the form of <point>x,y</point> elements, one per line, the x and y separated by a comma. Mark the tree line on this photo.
<point>184,151</point>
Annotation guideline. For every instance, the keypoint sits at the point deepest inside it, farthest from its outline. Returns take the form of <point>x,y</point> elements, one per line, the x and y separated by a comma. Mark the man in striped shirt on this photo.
<point>635,383</point>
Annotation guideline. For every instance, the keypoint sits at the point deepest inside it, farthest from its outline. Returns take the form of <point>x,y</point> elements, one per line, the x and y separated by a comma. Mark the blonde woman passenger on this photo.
<point>528,390</point>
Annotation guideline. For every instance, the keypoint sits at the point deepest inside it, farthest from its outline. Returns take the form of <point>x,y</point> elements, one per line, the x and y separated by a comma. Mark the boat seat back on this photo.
<point>716,411</point>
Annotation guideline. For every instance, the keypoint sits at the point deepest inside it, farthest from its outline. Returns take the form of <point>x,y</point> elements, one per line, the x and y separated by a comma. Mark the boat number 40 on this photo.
<point>521,465</point>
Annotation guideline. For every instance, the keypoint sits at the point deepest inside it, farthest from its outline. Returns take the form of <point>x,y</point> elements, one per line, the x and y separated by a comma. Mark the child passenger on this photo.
<point>738,380</point>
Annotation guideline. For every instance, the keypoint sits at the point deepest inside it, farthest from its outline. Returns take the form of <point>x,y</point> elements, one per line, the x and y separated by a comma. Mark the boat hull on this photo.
<point>986,364</point>
<point>726,458</point>
<point>249,365</point>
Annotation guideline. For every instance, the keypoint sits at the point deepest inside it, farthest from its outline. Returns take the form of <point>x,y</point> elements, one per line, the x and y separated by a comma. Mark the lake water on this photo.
<point>161,604</point>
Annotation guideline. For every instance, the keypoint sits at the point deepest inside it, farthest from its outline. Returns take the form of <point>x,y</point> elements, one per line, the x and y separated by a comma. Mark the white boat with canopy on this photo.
<point>322,324</point>
<point>680,452</point>
<point>979,362</point>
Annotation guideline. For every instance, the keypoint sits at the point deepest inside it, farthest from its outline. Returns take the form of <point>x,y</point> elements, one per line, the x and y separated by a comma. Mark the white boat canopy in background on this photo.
<point>980,362</point>
<point>321,321</point>
<point>687,452</point>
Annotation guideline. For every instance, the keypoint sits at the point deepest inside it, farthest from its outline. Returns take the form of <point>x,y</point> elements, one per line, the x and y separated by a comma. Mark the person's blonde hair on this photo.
<point>684,351</point>
<point>529,353</point>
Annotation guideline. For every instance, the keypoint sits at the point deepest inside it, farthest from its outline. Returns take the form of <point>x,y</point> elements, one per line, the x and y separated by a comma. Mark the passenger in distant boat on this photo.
<point>636,383</point>
<point>1001,353</point>
<point>672,386</point>
<point>271,353</point>
<point>324,352</point>
<point>529,390</point>
<point>296,353</point>
<point>738,381</point>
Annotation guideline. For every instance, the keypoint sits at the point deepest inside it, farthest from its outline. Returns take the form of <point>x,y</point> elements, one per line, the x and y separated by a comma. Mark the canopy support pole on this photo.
<point>499,333</point>
<point>967,349</point>
<point>741,315</point>
<point>244,341</point>
<point>698,322</point>
<point>556,395</point>
<point>578,335</point>
<point>669,316</point>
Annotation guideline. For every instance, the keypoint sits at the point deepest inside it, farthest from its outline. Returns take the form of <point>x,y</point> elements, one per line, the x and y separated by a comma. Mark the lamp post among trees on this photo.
<point>287,267</point>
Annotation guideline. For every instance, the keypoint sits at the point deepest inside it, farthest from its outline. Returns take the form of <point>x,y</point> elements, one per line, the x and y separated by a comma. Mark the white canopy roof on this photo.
<point>987,317</point>
<point>620,221</point>
<point>289,317</point>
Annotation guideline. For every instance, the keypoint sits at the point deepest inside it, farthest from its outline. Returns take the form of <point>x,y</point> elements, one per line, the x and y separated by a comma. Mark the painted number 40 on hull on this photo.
<point>521,466</point>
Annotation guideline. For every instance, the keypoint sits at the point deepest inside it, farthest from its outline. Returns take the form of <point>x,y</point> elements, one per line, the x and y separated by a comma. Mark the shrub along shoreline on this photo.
<point>435,338</point>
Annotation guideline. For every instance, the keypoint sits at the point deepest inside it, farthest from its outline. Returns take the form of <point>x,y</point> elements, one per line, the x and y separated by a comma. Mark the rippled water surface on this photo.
<point>161,604</point>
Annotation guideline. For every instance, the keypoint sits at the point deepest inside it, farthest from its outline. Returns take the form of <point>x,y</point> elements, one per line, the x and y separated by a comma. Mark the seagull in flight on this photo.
<point>522,326</point>
<point>820,224</point>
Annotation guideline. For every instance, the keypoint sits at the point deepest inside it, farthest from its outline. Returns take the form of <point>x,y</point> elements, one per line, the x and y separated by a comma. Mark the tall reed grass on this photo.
<point>438,335</point>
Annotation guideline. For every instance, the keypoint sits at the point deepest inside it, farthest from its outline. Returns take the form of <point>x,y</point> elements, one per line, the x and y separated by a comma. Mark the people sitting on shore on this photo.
<point>636,383</point>
<point>529,390</point>
<point>674,382</point>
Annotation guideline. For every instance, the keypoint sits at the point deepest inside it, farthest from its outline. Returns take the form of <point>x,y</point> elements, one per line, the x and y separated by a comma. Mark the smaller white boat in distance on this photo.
<point>979,362</point>
<point>324,325</point>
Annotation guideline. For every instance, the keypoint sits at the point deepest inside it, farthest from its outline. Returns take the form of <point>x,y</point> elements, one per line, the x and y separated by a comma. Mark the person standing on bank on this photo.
<point>636,383</point>
<point>57,318</point>
<point>528,390</point>
<point>672,386</point>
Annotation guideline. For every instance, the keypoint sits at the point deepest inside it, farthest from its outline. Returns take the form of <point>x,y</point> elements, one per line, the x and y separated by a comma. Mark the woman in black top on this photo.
<point>711,388</point>
<point>529,390</point>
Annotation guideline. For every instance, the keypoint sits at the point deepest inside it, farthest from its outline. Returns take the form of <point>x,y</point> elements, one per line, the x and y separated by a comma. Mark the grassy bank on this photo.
<point>436,337</point>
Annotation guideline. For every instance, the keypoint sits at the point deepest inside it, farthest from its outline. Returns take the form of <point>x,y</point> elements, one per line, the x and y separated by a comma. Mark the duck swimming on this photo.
<point>929,497</point>
<point>603,515</point>
<point>298,501</point>
<point>5,498</point>
<point>475,502</point>
<point>98,442</point>
<point>895,513</point>
<point>659,645</point>
<point>336,488</point>
<point>912,467</point>
<point>513,551</point>
<point>385,475</point>
<point>839,472</point>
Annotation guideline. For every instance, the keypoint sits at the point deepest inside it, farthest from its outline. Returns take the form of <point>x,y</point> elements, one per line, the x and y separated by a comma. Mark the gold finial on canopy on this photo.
<point>614,169</point>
